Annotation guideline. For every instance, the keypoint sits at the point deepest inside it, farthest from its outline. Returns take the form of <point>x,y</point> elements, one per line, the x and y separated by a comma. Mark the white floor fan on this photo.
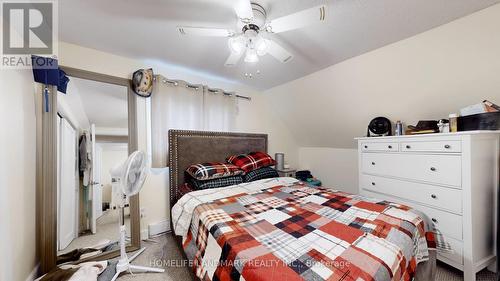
<point>130,176</point>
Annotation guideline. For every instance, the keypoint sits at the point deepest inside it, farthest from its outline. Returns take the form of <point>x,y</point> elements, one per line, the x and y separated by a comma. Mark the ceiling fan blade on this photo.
<point>278,52</point>
<point>243,9</point>
<point>233,59</point>
<point>297,20</point>
<point>205,31</point>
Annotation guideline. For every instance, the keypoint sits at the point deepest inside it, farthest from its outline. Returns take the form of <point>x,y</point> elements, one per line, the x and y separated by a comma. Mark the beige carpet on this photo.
<point>107,228</point>
<point>162,250</point>
<point>165,249</point>
<point>448,273</point>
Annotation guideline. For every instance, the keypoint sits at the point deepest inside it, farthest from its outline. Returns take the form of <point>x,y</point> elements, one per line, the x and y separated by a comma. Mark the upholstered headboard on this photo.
<point>191,147</point>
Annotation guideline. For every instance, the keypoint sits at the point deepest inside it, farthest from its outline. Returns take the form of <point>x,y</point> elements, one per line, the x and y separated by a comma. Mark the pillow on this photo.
<point>184,189</point>
<point>213,170</point>
<point>214,183</point>
<point>259,174</point>
<point>251,161</point>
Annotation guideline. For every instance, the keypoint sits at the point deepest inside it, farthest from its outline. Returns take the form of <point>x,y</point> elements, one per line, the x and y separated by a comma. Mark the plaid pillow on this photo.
<point>214,183</point>
<point>184,189</point>
<point>259,174</point>
<point>251,161</point>
<point>213,170</point>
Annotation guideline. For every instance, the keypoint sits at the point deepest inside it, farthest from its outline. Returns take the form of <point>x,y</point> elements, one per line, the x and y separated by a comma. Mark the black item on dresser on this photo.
<point>379,126</point>
<point>481,121</point>
<point>425,125</point>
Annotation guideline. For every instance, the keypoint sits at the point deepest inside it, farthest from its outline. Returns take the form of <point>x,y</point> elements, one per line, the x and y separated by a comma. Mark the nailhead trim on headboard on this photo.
<point>173,152</point>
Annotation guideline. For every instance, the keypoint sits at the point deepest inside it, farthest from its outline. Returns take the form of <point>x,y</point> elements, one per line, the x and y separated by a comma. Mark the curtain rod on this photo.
<point>228,93</point>
<point>197,86</point>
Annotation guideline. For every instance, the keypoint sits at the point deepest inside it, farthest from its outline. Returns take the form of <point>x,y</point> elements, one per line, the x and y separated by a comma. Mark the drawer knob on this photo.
<point>390,146</point>
<point>366,146</point>
<point>447,146</point>
<point>373,163</point>
<point>434,220</point>
<point>433,169</point>
<point>373,183</point>
<point>433,196</point>
<point>408,147</point>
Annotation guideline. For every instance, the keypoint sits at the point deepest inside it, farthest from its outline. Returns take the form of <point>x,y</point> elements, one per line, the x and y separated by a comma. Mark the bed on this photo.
<point>283,229</point>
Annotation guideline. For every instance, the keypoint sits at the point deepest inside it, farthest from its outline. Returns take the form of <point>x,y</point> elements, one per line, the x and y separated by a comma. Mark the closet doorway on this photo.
<point>67,197</point>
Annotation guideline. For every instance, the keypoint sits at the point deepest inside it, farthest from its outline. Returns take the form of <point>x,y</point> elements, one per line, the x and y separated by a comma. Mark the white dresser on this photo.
<point>452,178</point>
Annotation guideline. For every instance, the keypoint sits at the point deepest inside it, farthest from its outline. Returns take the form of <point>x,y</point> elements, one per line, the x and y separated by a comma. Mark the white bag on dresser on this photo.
<point>452,178</point>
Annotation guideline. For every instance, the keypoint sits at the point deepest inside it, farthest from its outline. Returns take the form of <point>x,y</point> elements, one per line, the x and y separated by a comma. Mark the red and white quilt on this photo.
<point>281,229</point>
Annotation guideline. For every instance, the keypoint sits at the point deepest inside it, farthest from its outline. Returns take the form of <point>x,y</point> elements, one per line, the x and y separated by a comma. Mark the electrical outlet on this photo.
<point>143,212</point>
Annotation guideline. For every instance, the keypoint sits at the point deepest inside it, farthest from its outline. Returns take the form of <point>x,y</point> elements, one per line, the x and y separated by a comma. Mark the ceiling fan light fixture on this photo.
<point>248,40</point>
<point>236,44</point>
<point>251,56</point>
<point>261,46</point>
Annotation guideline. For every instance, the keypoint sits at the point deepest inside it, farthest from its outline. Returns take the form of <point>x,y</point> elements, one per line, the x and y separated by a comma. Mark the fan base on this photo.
<point>124,265</point>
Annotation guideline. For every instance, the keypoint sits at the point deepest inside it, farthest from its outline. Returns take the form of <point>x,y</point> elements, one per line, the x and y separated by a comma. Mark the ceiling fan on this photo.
<point>253,24</point>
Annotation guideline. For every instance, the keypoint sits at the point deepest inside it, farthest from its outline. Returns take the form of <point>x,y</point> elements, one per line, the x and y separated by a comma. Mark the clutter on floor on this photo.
<point>83,253</point>
<point>87,271</point>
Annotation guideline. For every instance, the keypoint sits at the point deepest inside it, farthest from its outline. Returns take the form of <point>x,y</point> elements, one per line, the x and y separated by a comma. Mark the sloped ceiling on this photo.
<point>147,30</point>
<point>102,104</point>
<point>424,77</point>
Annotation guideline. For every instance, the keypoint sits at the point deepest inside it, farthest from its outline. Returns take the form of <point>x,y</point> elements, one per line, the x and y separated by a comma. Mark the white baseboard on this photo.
<point>159,227</point>
<point>34,273</point>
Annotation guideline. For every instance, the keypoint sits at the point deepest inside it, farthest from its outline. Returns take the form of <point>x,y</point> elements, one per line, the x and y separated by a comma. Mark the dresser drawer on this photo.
<point>440,169</point>
<point>447,223</point>
<point>456,255</point>
<point>431,146</point>
<point>380,146</point>
<point>441,197</point>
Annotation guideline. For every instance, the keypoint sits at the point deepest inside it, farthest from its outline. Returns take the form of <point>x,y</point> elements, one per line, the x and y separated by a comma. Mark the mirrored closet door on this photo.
<point>94,132</point>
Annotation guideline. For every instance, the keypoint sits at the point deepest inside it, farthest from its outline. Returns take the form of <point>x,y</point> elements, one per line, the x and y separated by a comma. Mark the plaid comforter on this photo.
<point>280,229</point>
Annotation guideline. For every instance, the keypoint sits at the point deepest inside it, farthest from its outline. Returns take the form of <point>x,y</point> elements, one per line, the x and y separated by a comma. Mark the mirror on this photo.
<point>93,136</point>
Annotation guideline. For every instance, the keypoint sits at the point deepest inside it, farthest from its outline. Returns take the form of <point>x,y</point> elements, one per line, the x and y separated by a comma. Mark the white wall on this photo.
<point>335,167</point>
<point>112,154</point>
<point>427,76</point>
<point>255,116</point>
<point>17,175</point>
<point>258,116</point>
